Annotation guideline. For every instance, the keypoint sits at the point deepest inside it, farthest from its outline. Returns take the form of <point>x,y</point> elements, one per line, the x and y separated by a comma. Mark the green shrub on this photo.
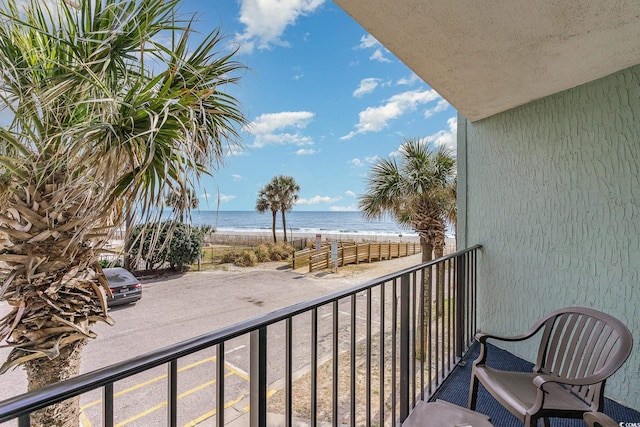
<point>228,257</point>
<point>178,244</point>
<point>107,264</point>
<point>185,247</point>
<point>263,253</point>
<point>247,259</point>
<point>280,251</point>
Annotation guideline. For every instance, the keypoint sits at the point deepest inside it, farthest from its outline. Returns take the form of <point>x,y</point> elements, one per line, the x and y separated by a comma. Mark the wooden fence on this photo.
<point>352,253</point>
<point>250,240</point>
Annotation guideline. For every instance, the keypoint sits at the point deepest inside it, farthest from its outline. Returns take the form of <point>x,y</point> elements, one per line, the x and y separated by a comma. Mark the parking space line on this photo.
<point>142,414</point>
<point>346,313</point>
<point>151,381</point>
<point>269,394</point>
<point>84,421</point>
<point>232,370</point>
<point>239,372</point>
<point>240,347</point>
<point>212,413</point>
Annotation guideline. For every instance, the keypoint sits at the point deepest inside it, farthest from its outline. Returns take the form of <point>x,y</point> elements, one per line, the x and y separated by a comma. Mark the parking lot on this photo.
<point>176,308</point>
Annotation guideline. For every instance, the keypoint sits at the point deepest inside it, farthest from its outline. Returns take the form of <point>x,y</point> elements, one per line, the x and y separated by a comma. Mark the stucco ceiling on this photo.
<point>485,57</point>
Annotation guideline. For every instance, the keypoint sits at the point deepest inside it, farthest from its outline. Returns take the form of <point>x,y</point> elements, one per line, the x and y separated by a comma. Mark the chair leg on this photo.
<point>473,392</point>
<point>530,421</point>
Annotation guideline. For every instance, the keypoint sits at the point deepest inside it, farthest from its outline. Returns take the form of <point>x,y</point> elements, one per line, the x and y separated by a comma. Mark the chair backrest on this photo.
<point>578,342</point>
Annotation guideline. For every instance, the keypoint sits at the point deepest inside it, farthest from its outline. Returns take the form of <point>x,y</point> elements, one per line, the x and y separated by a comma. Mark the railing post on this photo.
<point>460,303</point>
<point>220,384</point>
<point>107,405</point>
<point>258,378</point>
<point>172,407</point>
<point>24,421</point>
<point>405,349</point>
<point>288,376</point>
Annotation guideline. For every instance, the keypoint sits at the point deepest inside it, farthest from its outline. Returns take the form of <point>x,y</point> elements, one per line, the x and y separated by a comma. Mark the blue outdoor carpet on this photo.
<point>456,390</point>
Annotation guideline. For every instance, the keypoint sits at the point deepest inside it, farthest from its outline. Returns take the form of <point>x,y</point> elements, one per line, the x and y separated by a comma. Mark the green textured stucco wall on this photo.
<point>552,192</point>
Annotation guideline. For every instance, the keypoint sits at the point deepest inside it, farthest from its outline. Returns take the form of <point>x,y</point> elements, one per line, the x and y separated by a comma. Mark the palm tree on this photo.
<point>287,190</point>
<point>268,201</point>
<point>418,191</point>
<point>107,117</point>
<point>182,201</point>
<point>279,194</point>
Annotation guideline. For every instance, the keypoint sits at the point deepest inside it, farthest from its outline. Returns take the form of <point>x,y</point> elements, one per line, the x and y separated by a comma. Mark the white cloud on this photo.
<point>408,81</point>
<point>366,86</point>
<point>369,42</point>
<point>305,152</point>
<point>236,177</point>
<point>440,106</point>
<point>350,193</point>
<point>371,159</point>
<point>235,150</point>
<point>374,119</point>
<point>268,123</point>
<point>351,208</point>
<point>297,73</point>
<point>266,20</point>
<point>446,137</point>
<point>317,200</point>
<point>356,162</point>
<point>223,198</point>
<point>378,55</point>
<point>269,129</point>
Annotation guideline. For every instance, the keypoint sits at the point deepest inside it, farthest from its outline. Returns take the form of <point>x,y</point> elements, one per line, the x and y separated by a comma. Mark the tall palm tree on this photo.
<point>418,190</point>
<point>287,190</point>
<point>107,117</point>
<point>268,201</point>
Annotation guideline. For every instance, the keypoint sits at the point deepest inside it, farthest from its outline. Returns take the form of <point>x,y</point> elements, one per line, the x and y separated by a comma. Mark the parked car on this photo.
<point>124,286</point>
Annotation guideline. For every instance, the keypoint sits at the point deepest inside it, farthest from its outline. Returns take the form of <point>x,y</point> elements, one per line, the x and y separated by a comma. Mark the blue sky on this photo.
<point>325,100</point>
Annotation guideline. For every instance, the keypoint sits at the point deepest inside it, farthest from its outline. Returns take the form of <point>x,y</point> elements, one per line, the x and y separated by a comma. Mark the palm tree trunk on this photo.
<point>438,250</point>
<point>427,251</point>
<point>63,367</point>
<point>439,253</point>
<point>284,225</point>
<point>273,225</point>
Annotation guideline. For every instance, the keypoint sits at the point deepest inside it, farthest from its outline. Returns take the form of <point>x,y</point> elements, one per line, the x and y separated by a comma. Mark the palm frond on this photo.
<point>107,120</point>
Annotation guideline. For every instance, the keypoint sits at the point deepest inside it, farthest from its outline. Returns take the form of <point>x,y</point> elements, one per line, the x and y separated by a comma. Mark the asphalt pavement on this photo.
<point>178,307</point>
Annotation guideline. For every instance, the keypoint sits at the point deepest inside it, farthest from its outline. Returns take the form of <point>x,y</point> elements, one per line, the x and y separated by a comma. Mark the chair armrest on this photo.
<point>598,419</point>
<point>540,380</point>
<point>482,338</point>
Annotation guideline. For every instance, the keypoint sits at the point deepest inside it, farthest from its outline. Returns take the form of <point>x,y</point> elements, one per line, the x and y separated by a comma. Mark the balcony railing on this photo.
<point>361,356</point>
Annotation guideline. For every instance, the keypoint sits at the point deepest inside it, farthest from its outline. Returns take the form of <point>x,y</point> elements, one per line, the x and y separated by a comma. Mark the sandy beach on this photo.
<point>324,237</point>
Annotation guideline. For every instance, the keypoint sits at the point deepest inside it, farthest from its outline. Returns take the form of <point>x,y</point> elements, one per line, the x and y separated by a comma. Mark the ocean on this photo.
<point>305,222</point>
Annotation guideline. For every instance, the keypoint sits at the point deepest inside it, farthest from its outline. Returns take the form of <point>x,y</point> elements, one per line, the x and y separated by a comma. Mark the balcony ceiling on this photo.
<point>485,57</point>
